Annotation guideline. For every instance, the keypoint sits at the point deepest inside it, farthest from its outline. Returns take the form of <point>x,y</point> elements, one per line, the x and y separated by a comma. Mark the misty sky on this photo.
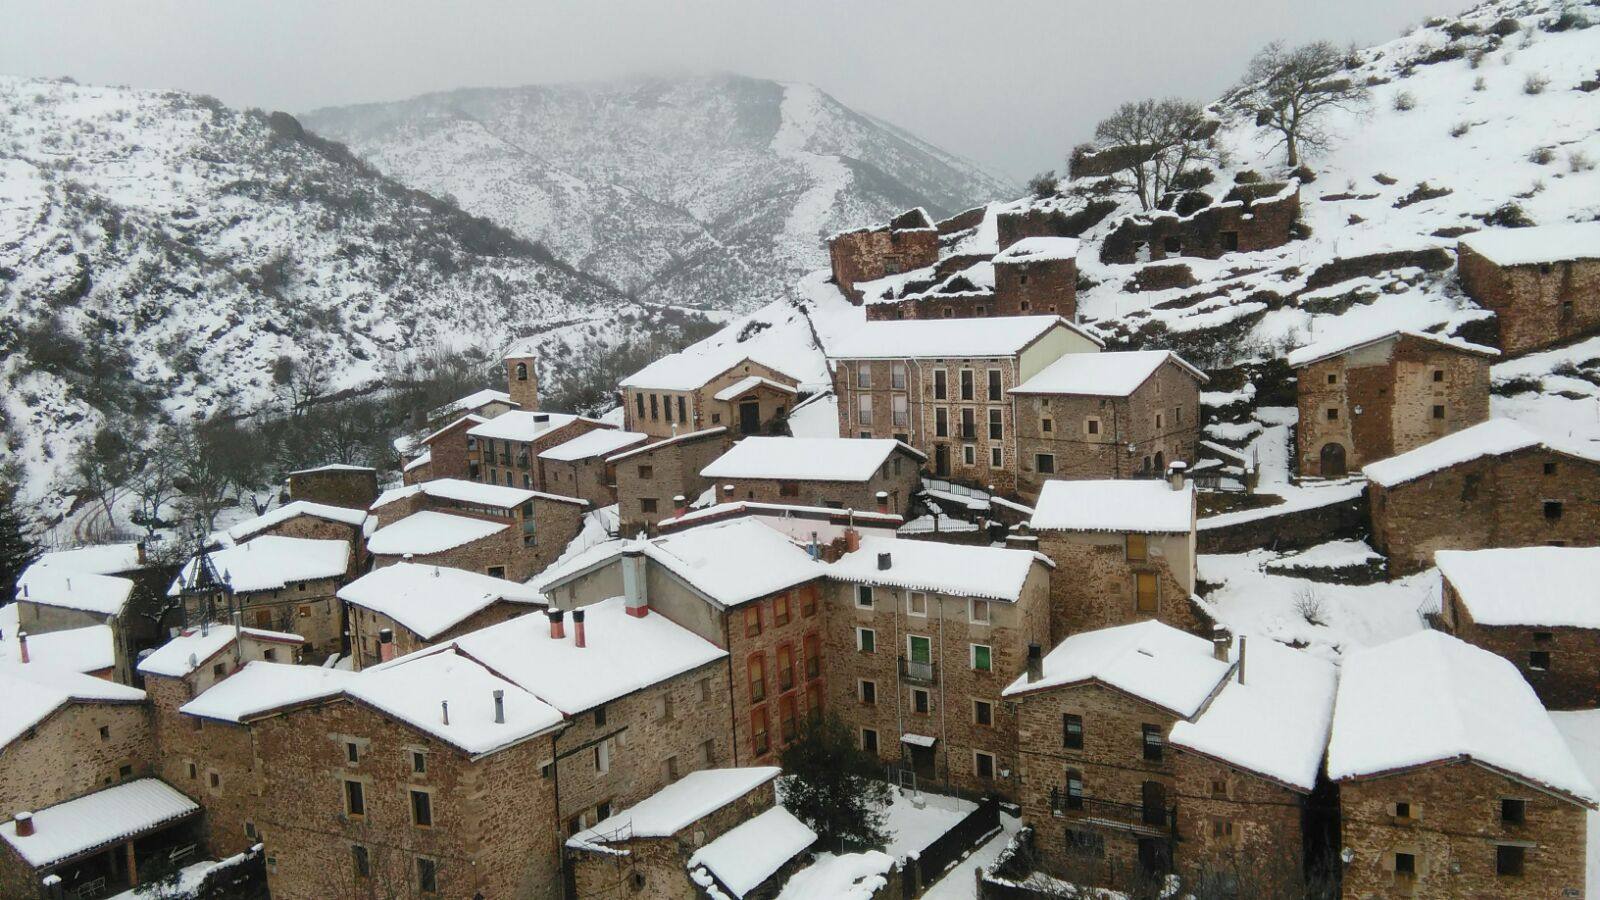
<point>1012,85</point>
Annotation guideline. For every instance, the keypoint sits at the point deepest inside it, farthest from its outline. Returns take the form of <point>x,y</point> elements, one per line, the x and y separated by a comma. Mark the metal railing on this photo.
<point>1148,816</point>
<point>923,672</point>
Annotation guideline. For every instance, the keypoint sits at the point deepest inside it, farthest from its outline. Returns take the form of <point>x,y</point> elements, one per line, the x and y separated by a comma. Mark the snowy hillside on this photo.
<point>711,192</point>
<point>160,252</point>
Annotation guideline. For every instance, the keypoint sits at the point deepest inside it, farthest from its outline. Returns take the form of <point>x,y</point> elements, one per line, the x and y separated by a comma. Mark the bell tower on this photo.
<point>522,376</point>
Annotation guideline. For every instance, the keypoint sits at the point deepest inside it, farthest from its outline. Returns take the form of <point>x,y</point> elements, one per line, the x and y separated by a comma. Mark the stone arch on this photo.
<point>522,371</point>
<point>1331,461</point>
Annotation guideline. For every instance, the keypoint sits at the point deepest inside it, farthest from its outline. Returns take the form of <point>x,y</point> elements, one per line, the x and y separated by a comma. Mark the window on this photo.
<point>994,384</point>
<point>786,718</point>
<point>901,405</point>
<point>897,376</point>
<point>669,767</point>
<point>1332,378</point>
<point>647,504</point>
<point>1091,426</point>
<point>1044,463</point>
<point>647,472</point>
<point>756,677</point>
<point>983,712</point>
<point>813,655</point>
<point>599,717</point>
<point>1074,789</point>
<point>705,690</point>
<point>916,603</point>
<point>1136,548</point>
<point>967,392</point>
<point>864,376</point>
<point>1145,591</point>
<point>919,648</point>
<point>1071,731</point>
<point>655,412</point>
<point>941,422</point>
<point>1552,509</point>
<point>1221,830</point>
<point>864,409</point>
<point>421,809</point>
<point>1333,414</point>
<point>270,654</point>
<point>1539,660</point>
<point>983,764</point>
<point>220,670</point>
<point>969,425</point>
<point>1153,744</point>
<point>869,740</point>
<point>708,752</point>
<point>212,777</point>
<point>496,572</point>
<point>666,408</point>
<point>982,658</point>
<point>921,701</point>
<point>362,860</point>
<point>979,612</point>
<point>1508,859</point>
<point>1469,487</point>
<point>427,876</point>
<point>682,413</point>
<point>602,757</point>
<point>866,640</point>
<point>1549,468</point>
<point>808,602</point>
<point>1047,424</point>
<point>664,707</point>
<point>419,762</point>
<point>194,772</point>
<point>355,798</point>
<point>780,610</point>
<point>1402,810</point>
<point>752,620</point>
<point>969,455</point>
<point>996,458</point>
<point>1158,421</point>
<point>785,667</point>
<point>758,731</point>
<point>1513,812</point>
<point>867,692</point>
<point>1219,789</point>
<point>1438,411</point>
<point>105,732</point>
<point>864,596</point>
<point>941,387</point>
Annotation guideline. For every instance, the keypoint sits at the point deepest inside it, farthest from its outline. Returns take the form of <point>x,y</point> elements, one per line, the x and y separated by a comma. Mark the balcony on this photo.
<point>1146,819</point>
<point>918,672</point>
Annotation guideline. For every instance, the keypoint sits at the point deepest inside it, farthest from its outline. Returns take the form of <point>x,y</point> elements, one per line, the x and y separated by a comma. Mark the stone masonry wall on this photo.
<point>1034,287</point>
<point>1538,306</point>
<point>65,756</point>
<point>1252,224</point>
<point>1236,823</point>
<point>900,484</point>
<point>1568,681</point>
<point>213,763</point>
<point>659,475</point>
<point>1093,583</point>
<point>355,488</point>
<point>451,458</point>
<point>866,255</point>
<point>788,620</point>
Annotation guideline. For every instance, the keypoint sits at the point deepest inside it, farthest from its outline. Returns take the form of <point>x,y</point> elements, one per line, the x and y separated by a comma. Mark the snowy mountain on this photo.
<point>709,192</point>
<point>160,252</point>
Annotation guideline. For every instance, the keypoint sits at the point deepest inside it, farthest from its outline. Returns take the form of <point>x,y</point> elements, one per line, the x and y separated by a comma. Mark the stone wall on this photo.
<point>213,763</point>
<point>1024,287</point>
<point>307,608</point>
<point>316,528</point>
<point>365,624</point>
<point>901,482</point>
<point>1295,530</point>
<point>355,488</point>
<point>65,756</point>
<point>591,479</point>
<point>869,254</point>
<point>1567,681</point>
<point>790,627</point>
<point>1014,225</point>
<point>1452,834</point>
<point>1236,823</point>
<point>1246,221</point>
<point>1538,305</point>
<point>452,457</point>
<point>648,480</point>
<point>516,463</point>
<point>1093,584</point>
<point>522,381</point>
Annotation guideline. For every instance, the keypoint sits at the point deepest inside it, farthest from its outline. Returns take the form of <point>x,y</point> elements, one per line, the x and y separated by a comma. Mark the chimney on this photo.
<point>142,553</point>
<point>883,501</point>
<point>813,548</point>
<point>727,493</point>
<point>634,589</point>
<point>680,505</point>
<point>1241,659</point>
<point>24,822</point>
<point>499,707</point>
<point>1221,642</point>
<point>1035,663</point>
<point>385,645</point>
<point>577,629</point>
<point>541,418</point>
<point>884,562</point>
<point>22,645</point>
<point>558,624</point>
<point>444,710</point>
<point>1176,473</point>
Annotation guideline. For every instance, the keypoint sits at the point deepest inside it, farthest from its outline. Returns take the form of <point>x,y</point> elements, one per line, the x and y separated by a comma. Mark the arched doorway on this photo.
<point>1332,464</point>
<point>1161,464</point>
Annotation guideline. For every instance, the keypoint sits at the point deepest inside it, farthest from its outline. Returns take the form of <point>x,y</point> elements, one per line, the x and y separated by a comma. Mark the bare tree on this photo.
<point>1155,142</point>
<point>201,474</point>
<point>105,467</point>
<point>300,381</point>
<point>155,486</point>
<point>1291,92</point>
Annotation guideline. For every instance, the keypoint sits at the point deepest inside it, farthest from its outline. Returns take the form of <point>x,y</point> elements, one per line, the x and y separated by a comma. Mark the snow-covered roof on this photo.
<point>748,382</point>
<point>957,338</point>
<point>471,418</point>
<point>734,561</point>
<point>35,690</point>
<point>461,491</point>
<point>676,806</point>
<point>98,559</point>
<point>92,648</point>
<point>105,595</point>
<point>428,532</point>
<point>806,459</point>
<point>1276,723</point>
<point>675,439</point>
<point>1147,505</point>
<point>1546,586</point>
<point>263,686</point>
<point>521,425</point>
<point>173,659</point>
<point>333,467</point>
<point>689,369</point>
<point>1321,350</point>
<point>419,688</point>
<point>422,460</point>
<point>475,400</point>
<point>962,570</point>
<point>862,517</point>
<point>1102,374</point>
<point>430,599</point>
<point>749,853</point>
<point>851,876</point>
<point>1540,244</point>
<point>600,442</point>
<point>270,562</point>
<point>623,654</point>
<point>1038,249</point>
<point>98,820</point>
<point>1430,698</point>
<point>1492,438</point>
<point>284,513</point>
<point>815,416</point>
<point>1149,660</point>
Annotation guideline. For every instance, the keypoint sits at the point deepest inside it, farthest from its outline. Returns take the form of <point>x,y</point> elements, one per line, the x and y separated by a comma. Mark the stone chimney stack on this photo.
<point>385,644</point>
<point>883,501</point>
<point>578,637</point>
<point>1221,643</point>
<point>727,493</point>
<point>1035,663</point>
<point>558,623</point>
<point>1177,474</point>
<point>22,645</point>
<point>24,823</point>
<point>680,505</point>
<point>634,589</point>
<point>499,707</point>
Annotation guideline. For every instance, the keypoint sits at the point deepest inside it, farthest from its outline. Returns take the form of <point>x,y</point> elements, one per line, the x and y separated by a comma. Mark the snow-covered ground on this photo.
<point>913,828</point>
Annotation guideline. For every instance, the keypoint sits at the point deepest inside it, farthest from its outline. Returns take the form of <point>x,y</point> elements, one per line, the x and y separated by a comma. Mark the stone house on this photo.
<point>315,521</point>
<point>1247,769</point>
<point>579,467</point>
<point>941,387</point>
<point>485,404</point>
<point>804,524</point>
<point>500,531</point>
<point>64,734</point>
<point>920,639</point>
<point>1250,217</point>
<point>650,849</point>
<point>52,599</point>
<point>1124,551</point>
<point>1106,415</point>
<point>693,391</point>
<point>276,583</point>
<point>651,476</point>
<point>842,473</point>
<point>1371,397</point>
<point>1534,606</point>
<point>1496,484</point>
<point>1037,275</point>
<point>1543,283</point>
<point>421,605</point>
<point>1098,781</point>
<point>90,650</point>
<point>909,241</point>
<point>335,484</point>
<point>452,452</point>
<point>506,448</point>
<point>1453,781</point>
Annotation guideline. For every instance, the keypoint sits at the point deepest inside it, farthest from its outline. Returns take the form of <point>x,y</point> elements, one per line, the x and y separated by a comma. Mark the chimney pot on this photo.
<point>680,504</point>
<point>1035,663</point>
<point>24,822</point>
<point>1176,474</point>
<point>852,540</point>
<point>444,710</point>
<point>884,561</point>
<point>558,623</point>
<point>385,645</point>
<point>578,637</point>
<point>1241,659</point>
<point>883,501</point>
<point>22,645</point>
<point>1221,643</point>
<point>499,707</point>
<point>727,491</point>
<point>635,591</point>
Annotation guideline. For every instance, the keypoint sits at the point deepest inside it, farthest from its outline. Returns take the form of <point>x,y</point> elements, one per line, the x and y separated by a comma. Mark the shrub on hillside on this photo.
<point>1404,102</point>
